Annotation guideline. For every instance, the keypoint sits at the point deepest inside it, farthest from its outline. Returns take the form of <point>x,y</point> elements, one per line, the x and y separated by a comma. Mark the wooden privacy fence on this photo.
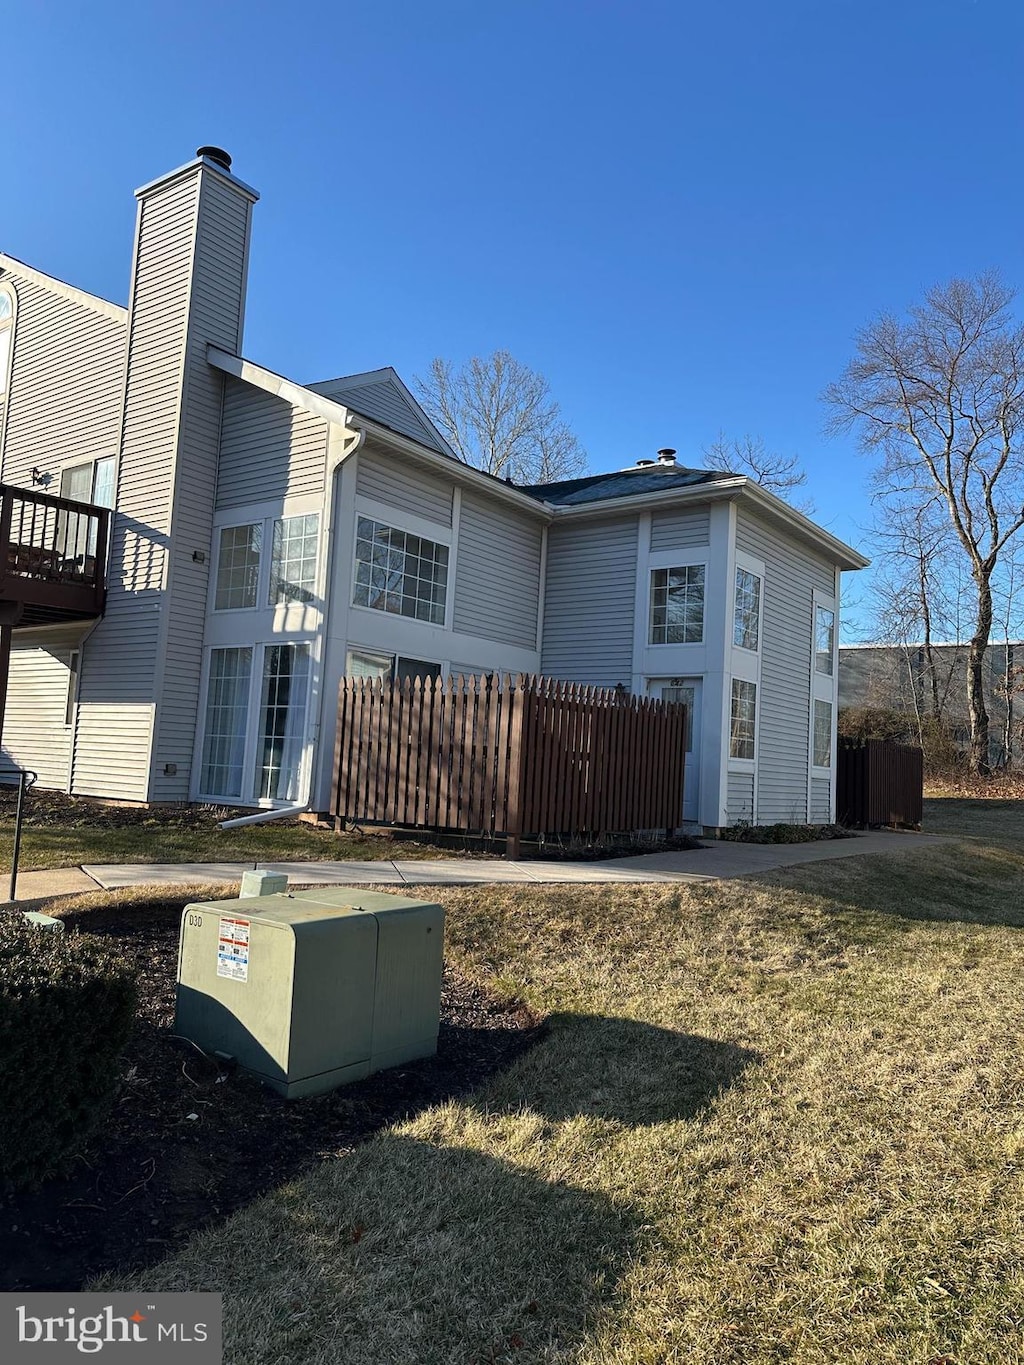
<point>879,782</point>
<point>508,758</point>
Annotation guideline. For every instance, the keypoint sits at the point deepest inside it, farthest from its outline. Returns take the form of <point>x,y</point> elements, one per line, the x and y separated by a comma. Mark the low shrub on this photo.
<point>784,834</point>
<point>66,1008</point>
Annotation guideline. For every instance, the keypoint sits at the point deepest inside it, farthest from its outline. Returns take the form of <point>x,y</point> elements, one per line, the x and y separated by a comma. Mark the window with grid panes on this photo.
<point>400,573</point>
<point>293,559</point>
<point>677,605</point>
<point>747,610</point>
<point>822,733</point>
<point>742,719</point>
<point>238,567</point>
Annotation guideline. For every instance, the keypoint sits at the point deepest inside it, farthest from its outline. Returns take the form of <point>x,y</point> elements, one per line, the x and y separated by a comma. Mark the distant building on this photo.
<point>897,678</point>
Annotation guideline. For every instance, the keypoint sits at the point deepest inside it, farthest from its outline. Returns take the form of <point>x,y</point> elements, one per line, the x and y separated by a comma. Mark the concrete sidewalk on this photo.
<point>717,859</point>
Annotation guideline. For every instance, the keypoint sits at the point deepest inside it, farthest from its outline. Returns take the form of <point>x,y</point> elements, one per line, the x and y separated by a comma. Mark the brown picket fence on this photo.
<point>879,782</point>
<point>509,758</point>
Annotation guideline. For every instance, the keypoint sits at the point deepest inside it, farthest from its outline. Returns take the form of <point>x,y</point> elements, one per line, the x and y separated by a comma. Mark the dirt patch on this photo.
<point>186,1142</point>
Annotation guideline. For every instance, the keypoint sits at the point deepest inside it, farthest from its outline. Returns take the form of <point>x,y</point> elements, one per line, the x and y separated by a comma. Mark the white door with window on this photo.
<point>687,691</point>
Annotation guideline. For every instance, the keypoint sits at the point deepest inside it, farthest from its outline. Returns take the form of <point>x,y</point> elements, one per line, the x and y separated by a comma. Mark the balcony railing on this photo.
<point>53,554</point>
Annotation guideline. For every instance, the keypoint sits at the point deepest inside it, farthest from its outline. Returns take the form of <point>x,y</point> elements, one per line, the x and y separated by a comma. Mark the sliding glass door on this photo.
<point>254,736</point>
<point>282,723</point>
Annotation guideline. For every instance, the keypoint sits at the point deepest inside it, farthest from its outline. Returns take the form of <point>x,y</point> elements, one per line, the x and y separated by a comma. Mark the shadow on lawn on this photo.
<point>432,1251</point>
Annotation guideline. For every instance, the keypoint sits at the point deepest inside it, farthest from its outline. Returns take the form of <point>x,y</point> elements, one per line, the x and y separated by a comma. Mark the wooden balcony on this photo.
<point>53,555</point>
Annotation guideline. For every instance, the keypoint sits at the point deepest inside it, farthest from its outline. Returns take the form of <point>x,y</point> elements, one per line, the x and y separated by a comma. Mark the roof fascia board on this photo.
<point>844,555</point>
<point>277,385</point>
<point>114,311</point>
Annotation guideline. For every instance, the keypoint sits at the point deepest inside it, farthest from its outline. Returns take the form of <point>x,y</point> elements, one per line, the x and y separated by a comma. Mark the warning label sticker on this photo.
<point>233,949</point>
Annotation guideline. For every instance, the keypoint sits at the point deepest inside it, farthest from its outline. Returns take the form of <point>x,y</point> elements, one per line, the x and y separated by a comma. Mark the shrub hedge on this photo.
<point>66,1008</point>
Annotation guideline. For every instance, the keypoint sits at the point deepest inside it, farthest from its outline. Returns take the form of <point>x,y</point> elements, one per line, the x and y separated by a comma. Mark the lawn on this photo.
<point>62,831</point>
<point>773,1120</point>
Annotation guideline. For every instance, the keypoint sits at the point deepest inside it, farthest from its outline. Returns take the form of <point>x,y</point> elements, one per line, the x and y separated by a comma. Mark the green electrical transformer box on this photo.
<point>312,989</point>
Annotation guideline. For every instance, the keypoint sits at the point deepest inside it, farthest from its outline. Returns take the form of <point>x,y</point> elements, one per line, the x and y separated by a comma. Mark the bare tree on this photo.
<point>913,592</point>
<point>499,415</point>
<point>939,396</point>
<point>749,455</point>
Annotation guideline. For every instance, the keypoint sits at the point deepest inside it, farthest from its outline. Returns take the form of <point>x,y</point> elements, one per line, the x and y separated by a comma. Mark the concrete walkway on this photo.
<point>715,860</point>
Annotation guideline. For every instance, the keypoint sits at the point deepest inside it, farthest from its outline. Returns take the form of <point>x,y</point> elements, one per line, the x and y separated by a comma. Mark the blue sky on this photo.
<point>679,213</point>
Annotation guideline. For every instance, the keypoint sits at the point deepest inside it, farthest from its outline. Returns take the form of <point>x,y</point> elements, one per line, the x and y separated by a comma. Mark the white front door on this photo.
<point>687,691</point>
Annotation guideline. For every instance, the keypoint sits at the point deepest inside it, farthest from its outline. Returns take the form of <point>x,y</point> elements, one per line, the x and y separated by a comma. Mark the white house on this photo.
<point>270,537</point>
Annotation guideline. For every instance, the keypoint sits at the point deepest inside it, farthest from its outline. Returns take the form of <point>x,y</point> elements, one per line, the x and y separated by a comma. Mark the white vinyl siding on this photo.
<point>820,801</point>
<point>140,670</point>
<point>497,579</point>
<point>681,529</point>
<point>216,302</point>
<point>740,799</point>
<point>36,735</point>
<point>590,600</point>
<point>793,571</point>
<point>66,383</point>
<point>380,397</point>
<point>269,449</point>
<point>399,482</point>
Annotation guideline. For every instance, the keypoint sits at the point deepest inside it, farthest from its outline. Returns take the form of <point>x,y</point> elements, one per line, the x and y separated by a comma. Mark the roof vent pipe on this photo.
<point>217,155</point>
<point>644,464</point>
<point>667,456</point>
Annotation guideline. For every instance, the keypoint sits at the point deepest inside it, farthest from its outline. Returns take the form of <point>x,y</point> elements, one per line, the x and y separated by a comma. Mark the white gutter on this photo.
<point>342,441</point>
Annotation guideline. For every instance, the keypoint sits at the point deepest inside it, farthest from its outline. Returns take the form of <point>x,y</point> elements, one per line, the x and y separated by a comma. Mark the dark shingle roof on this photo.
<point>622,483</point>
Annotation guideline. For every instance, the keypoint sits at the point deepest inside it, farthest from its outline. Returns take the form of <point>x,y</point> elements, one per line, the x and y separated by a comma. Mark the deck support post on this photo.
<point>10,615</point>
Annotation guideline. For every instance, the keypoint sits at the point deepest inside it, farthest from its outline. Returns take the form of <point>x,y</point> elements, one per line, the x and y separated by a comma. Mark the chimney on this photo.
<point>667,456</point>
<point>187,290</point>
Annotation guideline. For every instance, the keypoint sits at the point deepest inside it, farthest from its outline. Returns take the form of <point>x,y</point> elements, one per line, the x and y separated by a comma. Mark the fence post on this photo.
<point>514,809</point>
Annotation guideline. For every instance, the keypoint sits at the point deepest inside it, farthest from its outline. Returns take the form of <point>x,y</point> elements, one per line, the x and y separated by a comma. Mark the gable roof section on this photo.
<point>381,396</point>
<point>65,291</point>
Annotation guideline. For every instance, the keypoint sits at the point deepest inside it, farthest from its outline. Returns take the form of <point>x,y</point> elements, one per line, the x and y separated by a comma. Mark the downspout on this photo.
<point>342,441</point>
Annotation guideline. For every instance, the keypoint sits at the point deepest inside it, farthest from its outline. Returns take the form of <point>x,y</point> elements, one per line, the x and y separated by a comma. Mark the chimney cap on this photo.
<point>666,455</point>
<point>217,155</point>
<point>644,464</point>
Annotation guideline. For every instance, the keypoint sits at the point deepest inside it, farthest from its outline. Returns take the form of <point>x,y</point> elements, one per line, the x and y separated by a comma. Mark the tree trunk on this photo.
<point>979,751</point>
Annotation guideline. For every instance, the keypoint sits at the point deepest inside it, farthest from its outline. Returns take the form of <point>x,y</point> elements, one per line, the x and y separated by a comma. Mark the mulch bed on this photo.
<point>186,1142</point>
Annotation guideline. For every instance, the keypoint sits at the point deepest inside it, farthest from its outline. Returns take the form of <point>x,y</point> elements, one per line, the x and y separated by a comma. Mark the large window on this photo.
<point>822,733</point>
<point>677,605</point>
<point>293,563</point>
<point>824,639</point>
<point>742,719</point>
<point>748,610</point>
<point>227,706</point>
<point>400,573</point>
<point>238,566</point>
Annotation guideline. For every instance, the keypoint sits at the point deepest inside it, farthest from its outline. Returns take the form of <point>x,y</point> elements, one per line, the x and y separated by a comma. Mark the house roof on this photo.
<point>381,396</point>
<point>623,483</point>
<point>641,488</point>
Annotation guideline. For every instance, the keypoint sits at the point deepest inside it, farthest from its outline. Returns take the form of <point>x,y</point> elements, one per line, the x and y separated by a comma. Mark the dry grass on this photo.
<point>773,1121</point>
